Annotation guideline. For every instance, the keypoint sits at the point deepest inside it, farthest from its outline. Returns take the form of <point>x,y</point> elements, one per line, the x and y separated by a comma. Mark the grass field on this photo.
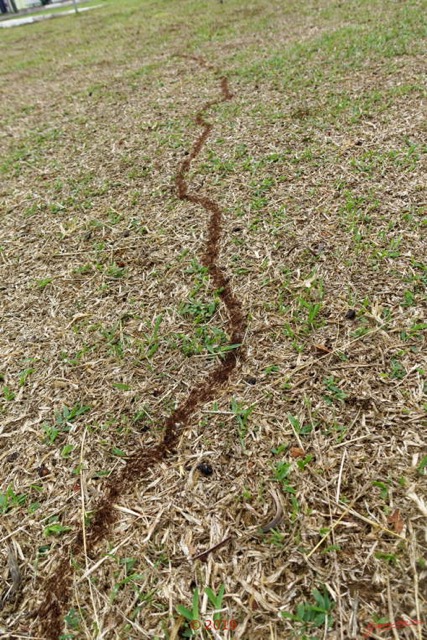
<point>213,340</point>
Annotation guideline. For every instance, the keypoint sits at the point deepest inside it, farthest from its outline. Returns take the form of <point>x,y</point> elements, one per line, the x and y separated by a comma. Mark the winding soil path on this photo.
<point>58,586</point>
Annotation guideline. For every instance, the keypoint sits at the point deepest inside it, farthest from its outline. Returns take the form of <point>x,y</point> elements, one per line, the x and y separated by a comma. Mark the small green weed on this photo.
<point>398,371</point>
<point>383,487</point>
<point>73,621</point>
<point>55,528</point>
<point>311,616</point>
<point>241,414</point>
<point>63,421</point>
<point>114,271</point>
<point>67,416</point>
<point>216,600</point>
<point>199,312</point>
<point>390,558</point>
<point>23,376</point>
<point>193,615</point>
<point>190,615</point>
<point>301,430</point>
<point>335,393</point>
<point>42,284</point>
<point>9,395</point>
<point>422,466</point>
<point>152,341</point>
<point>11,500</point>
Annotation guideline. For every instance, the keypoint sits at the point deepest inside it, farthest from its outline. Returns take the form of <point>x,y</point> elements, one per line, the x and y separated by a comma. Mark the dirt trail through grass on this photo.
<point>141,463</point>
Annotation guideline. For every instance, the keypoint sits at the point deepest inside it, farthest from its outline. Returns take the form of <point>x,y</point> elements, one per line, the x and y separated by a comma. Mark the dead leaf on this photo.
<point>297,452</point>
<point>321,348</point>
<point>396,521</point>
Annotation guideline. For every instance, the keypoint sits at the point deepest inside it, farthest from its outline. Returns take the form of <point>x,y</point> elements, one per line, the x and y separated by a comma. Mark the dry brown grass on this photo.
<point>317,165</point>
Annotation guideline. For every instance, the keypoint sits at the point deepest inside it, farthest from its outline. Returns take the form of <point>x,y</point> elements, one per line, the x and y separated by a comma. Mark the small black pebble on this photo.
<point>205,469</point>
<point>43,470</point>
<point>126,233</point>
<point>350,315</point>
<point>250,380</point>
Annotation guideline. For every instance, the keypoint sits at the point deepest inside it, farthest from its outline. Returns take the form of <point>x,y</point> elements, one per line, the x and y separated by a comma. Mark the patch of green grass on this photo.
<point>24,375</point>
<point>421,468</point>
<point>213,619</point>
<point>42,284</point>
<point>126,576</point>
<point>313,615</point>
<point>389,558</point>
<point>11,500</point>
<point>64,420</point>
<point>398,371</point>
<point>383,487</point>
<point>115,339</point>
<point>241,414</point>
<point>152,340</point>
<point>67,450</point>
<point>73,622</point>
<point>8,394</point>
<point>205,339</point>
<point>55,528</point>
<point>199,312</point>
<point>115,271</point>
<point>190,615</point>
<point>300,429</point>
<point>335,393</point>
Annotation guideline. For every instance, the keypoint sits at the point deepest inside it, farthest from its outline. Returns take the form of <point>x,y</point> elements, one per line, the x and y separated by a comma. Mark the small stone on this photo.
<point>350,315</point>
<point>205,469</point>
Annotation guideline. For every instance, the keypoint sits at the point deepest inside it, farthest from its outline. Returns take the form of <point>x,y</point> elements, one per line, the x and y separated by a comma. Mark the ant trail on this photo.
<point>57,590</point>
